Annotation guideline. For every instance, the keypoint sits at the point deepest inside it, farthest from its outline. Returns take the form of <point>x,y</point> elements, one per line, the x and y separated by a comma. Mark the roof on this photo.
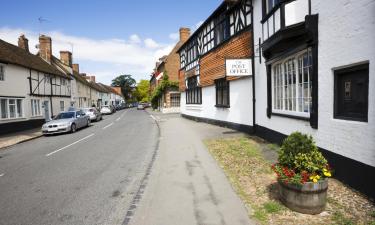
<point>15,55</point>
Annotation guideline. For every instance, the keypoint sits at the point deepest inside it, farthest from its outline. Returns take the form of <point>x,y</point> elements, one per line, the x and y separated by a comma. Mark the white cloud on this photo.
<point>135,39</point>
<point>151,43</point>
<point>121,56</point>
<point>174,36</point>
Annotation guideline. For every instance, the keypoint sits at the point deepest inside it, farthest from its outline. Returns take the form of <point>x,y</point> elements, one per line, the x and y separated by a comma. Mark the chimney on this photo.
<point>83,74</point>
<point>23,42</point>
<point>45,48</point>
<point>66,58</point>
<point>76,67</point>
<point>184,34</point>
<point>92,79</point>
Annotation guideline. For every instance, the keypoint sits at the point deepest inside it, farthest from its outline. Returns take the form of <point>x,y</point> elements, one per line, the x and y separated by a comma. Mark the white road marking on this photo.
<point>1,174</point>
<point>153,117</point>
<point>107,126</point>
<point>51,153</point>
<point>118,118</point>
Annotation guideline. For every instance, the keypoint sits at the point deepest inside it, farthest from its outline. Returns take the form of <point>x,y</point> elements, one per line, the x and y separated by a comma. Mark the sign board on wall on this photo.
<point>238,67</point>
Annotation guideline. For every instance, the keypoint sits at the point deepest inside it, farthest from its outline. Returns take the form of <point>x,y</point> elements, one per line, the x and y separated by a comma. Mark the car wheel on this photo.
<point>73,128</point>
<point>97,118</point>
<point>88,123</point>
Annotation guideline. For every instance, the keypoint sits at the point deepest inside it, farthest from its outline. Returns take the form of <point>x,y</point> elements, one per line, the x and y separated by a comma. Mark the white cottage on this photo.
<point>315,73</point>
<point>31,90</point>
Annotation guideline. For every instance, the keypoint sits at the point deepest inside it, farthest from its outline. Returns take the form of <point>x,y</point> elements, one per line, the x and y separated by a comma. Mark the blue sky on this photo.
<point>109,37</point>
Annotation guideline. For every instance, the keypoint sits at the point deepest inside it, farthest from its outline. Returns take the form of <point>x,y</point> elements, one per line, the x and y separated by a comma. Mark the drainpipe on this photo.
<point>253,66</point>
<point>50,82</point>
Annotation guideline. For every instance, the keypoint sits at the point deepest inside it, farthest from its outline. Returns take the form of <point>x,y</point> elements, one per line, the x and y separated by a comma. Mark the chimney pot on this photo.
<point>23,43</point>
<point>184,34</point>
<point>66,58</point>
<point>45,48</point>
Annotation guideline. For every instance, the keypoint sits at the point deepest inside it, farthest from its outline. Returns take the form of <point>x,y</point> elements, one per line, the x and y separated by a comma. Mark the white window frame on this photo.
<point>2,72</point>
<point>281,99</point>
<point>62,106</point>
<point>15,109</point>
<point>35,107</point>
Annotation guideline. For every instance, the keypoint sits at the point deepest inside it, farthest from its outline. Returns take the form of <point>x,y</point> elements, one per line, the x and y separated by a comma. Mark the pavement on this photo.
<point>89,177</point>
<point>19,137</point>
<point>186,185</point>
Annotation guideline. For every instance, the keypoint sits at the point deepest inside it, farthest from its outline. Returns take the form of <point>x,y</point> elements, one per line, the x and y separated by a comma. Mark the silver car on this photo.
<point>93,113</point>
<point>66,122</point>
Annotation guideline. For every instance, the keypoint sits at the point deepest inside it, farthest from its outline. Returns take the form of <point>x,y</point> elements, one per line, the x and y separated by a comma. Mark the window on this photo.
<point>2,72</point>
<point>351,93</point>
<point>175,99</point>
<point>62,107</point>
<point>222,93</point>
<point>62,81</point>
<point>193,91</point>
<point>35,107</point>
<point>11,108</point>
<point>221,29</point>
<point>270,4</point>
<point>292,85</point>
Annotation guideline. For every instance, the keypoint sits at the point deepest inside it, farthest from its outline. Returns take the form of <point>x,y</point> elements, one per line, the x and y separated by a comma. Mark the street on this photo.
<point>89,177</point>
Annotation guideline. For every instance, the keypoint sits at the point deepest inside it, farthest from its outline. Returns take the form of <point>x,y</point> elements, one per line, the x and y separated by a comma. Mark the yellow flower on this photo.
<point>327,174</point>
<point>315,180</point>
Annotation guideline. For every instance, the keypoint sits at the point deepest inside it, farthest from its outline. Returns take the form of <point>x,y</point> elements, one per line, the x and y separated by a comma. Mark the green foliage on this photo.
<point>127,84</point>
<point>272,207</point>
<point>142,91</point>
<point>299,152</point>
<point>339,218</point>
<point>159,90</point>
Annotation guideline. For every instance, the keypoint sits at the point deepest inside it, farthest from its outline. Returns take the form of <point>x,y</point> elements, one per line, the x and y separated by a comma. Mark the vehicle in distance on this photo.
<point>106,110</point>
<point>66,122</point>
<point>93,113</point>
<point>140,107</point>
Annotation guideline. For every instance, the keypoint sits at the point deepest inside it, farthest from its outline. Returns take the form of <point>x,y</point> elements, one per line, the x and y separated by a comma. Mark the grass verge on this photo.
<point>243,161</point>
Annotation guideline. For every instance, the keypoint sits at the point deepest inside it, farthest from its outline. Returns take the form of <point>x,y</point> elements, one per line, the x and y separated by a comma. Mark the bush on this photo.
<point>300,160</point>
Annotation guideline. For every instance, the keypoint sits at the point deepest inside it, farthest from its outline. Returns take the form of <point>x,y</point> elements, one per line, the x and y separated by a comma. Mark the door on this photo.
<point>46,110</point>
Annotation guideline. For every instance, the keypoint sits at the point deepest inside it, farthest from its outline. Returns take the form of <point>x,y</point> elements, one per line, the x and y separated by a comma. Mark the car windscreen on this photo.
<point>64,115</point>
<point>88,110</point>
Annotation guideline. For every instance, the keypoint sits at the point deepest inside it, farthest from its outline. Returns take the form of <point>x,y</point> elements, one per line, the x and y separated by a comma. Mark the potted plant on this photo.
<point>302,173</point>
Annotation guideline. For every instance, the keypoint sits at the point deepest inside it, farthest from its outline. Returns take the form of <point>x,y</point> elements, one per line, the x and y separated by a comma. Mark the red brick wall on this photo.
<point>212,65</point>
<point>181,80</point>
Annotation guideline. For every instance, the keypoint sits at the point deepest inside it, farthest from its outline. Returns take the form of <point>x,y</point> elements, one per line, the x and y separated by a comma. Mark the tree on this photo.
<point>142,91</point>
<point>163,86</point>
<point>127,84</point>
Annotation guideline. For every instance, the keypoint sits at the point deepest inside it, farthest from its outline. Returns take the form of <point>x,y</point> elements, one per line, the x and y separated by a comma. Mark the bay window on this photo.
<point>292,85</point>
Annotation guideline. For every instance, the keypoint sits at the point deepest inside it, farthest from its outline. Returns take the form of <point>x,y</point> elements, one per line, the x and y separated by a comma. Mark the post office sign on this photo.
<point>238,67</point>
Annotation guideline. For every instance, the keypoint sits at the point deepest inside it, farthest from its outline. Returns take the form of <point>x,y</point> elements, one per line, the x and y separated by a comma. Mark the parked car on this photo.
<point>93,113</point>
<point>66,122</point>
<point>106,110</point>
<point>140,107</point>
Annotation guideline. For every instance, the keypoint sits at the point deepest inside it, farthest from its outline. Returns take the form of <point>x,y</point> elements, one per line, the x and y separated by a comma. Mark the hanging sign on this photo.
<point>238,67</point>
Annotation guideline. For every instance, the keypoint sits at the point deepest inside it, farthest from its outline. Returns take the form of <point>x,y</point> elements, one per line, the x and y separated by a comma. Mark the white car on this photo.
<point>106,110</point>
<point>93,113</point>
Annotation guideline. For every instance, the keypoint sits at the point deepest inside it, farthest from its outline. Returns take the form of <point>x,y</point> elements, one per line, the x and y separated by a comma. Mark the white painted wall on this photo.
<point>346,36</point>
<point>240,110</point>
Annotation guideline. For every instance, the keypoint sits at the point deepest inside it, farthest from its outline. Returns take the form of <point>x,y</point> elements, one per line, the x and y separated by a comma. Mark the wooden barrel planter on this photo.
<point>309,198</point>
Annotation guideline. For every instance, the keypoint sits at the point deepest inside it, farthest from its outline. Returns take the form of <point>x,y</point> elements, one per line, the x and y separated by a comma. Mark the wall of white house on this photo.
<point>346,37</point>
<point>240,110</point>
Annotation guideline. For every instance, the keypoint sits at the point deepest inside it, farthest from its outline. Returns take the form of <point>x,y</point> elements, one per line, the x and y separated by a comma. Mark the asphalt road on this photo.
<point>89,177</point>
